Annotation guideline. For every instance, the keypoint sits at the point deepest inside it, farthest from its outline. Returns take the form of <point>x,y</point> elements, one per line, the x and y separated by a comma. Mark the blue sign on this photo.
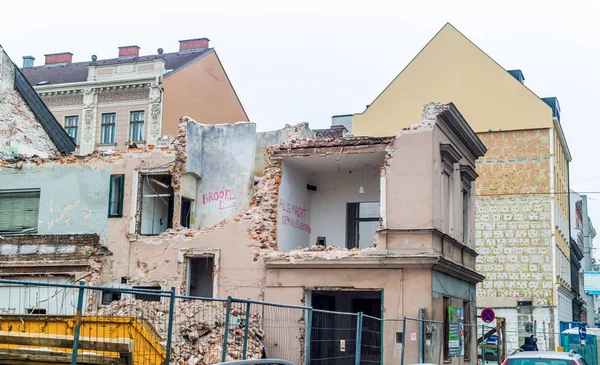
<point>582,332</point>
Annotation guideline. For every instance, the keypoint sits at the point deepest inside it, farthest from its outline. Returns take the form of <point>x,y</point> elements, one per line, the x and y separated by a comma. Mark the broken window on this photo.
<point>156,208</point>
<point>115,202</point>
<point>109,296</point>
<point>148,297</point>
<point>19,210</point>
<point>363,222</point>
<point>186,212</point>
<point>200,272</point>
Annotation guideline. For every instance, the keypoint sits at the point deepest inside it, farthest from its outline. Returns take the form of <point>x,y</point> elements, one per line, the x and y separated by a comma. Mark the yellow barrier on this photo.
<point>147,343</point>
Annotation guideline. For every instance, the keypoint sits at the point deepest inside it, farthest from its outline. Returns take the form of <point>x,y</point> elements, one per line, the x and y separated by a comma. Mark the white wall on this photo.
<point>328,203</point>
<point>15,299</point>
<point>294,210</point>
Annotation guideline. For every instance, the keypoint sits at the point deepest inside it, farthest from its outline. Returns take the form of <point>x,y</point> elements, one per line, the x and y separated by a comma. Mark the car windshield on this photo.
<point>540,361</point>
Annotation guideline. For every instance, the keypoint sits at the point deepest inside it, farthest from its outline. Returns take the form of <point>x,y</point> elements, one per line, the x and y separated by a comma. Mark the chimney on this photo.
<point>193,44</point>
<point>129,51</point>
<point>28,61</point>
<point>54,58</point>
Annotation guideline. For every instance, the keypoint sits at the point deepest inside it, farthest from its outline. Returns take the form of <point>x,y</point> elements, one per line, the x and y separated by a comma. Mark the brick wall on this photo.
<point>514,229</point>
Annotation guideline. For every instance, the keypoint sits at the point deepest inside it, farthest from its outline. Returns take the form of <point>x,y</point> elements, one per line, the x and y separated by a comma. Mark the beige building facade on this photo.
<point>132,100</point>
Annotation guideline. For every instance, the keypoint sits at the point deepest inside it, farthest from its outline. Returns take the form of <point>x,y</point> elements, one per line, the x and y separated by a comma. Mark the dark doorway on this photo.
<point>333,335</point>
<point>186,212</point>
<point>200,277</point>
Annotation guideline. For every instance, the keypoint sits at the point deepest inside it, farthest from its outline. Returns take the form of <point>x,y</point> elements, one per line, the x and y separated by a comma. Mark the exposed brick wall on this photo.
<point>513,229</point>
<point>39,248</point>
<point>129,51</point>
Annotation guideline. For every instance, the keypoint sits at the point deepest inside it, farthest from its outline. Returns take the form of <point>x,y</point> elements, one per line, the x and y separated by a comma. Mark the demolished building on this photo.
<point>334,223</point>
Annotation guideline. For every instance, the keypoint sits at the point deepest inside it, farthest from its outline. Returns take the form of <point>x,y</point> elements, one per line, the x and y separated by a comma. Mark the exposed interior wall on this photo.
<point>156,204</point>
<point>329,202</point>
<point>202,91</point>
<point>21,132</point>
<point>294,209</point>
<point>227,171</point>
<point>475,83</point>
<point>73,199</point>
<point>273,138</point>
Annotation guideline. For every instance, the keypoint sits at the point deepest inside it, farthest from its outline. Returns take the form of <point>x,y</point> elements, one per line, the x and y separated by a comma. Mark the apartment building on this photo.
<point>522,206</point>
<point>133,100</point>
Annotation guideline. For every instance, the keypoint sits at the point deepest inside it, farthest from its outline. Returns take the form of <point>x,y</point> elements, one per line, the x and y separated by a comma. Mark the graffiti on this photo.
<point>226,198</point>
<point>294,217</point>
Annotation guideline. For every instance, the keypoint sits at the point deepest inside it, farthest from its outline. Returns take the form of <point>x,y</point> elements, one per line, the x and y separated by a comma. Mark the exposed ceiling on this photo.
<point>333,163</point>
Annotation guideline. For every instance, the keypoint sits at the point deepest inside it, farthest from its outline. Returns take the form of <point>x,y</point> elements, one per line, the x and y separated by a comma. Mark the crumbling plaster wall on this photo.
<point>226,170</point>
<point>21,132</point>
<point>274,138</point>
<point>162,259</point>
<point>73,199</point>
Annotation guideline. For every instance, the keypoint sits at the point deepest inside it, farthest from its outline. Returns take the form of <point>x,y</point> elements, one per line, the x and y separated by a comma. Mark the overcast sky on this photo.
<point>304,61</point>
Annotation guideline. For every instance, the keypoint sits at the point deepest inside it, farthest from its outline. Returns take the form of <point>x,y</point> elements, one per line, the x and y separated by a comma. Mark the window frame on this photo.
<point>353,221</point>
<point>112,125</point>
<point>114,293</point>
<point>33,230</point>
<point>75,127</point>
<point>138,123</point>
<point>121,177</point>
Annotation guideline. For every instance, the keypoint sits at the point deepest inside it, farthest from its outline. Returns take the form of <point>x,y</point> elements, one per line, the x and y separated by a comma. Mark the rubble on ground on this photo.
<point>198,329</point>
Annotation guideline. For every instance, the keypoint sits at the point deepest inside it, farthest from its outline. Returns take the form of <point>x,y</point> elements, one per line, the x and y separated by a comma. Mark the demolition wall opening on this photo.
<point>156,204</point>
<point>200,273</point>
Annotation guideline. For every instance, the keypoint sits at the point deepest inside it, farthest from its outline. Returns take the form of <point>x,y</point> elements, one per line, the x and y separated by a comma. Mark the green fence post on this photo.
<point>482,344</point>
<point>226,330</point>
<point>170,330</point>
<point>359,323</point>
<point>77,322</point>
<point>403,340</point>
<point>246,330</point>
<point>308,329</point>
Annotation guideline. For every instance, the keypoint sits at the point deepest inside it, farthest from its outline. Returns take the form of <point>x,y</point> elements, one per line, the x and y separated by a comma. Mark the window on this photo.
<point>446,325</point>
<point>447,200</point>
<point>108,128</point>
<point>71,127</point>
<point>200,273</point>
<point>115,196</point>
<point>109,296</point>
<point>465,216</point>
<point>19,210</point>
<point>157,204</point>
<point>136,126</point>
<point>467,329</point>
<point>362,223</point>
<point>148,297</point>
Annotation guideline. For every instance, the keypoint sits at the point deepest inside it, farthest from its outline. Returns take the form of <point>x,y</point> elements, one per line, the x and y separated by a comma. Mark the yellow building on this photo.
<point>522,209</point>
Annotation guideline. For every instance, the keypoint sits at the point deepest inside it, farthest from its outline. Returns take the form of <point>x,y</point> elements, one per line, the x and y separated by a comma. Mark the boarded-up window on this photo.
<point>19,210</point>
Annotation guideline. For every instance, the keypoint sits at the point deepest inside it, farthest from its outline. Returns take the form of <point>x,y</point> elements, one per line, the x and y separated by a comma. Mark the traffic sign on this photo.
<point>582,332</point>
<point>488,315</point>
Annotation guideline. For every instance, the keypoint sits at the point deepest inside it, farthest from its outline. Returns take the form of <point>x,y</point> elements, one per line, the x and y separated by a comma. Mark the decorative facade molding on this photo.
<point>115,96</point>
<point>89,122</point>
<point>63,100</point>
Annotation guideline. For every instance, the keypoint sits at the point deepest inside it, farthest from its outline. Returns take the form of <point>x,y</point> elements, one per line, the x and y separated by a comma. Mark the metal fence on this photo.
<point>141,326</point>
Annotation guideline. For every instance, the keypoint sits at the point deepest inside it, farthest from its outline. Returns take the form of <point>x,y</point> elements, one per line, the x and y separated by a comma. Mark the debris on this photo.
<point>198,328</point>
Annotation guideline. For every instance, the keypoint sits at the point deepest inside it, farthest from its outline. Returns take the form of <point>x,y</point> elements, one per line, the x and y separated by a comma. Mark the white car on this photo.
<point>545,358</point>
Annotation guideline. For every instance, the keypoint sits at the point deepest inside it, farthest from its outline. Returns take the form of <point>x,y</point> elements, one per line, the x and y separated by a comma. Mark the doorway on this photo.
<point>200,274</point>
<point>334,335</point>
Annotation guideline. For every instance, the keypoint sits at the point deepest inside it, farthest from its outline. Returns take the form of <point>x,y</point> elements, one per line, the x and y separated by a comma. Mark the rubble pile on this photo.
<point>198,329</point>
<point>323,253</point>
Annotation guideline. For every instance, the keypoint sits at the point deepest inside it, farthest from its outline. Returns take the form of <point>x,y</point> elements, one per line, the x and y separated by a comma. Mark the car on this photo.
<point>545,358</point>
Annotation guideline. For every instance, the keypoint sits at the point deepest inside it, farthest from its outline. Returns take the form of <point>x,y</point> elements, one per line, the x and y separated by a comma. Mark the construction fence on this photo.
<point>64,323</point>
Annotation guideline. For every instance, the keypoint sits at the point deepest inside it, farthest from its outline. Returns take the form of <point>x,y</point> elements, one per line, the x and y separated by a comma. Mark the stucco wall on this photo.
<point>73,199</point>
<point>202,91</point>
<point>294,210</point>
<point>273,138</point>
<point>475,83</point>
<point>227,171</point>
<point>21,132</point>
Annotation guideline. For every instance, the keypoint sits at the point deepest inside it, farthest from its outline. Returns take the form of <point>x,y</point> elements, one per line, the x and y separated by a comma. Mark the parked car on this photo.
<point>545,358</point>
